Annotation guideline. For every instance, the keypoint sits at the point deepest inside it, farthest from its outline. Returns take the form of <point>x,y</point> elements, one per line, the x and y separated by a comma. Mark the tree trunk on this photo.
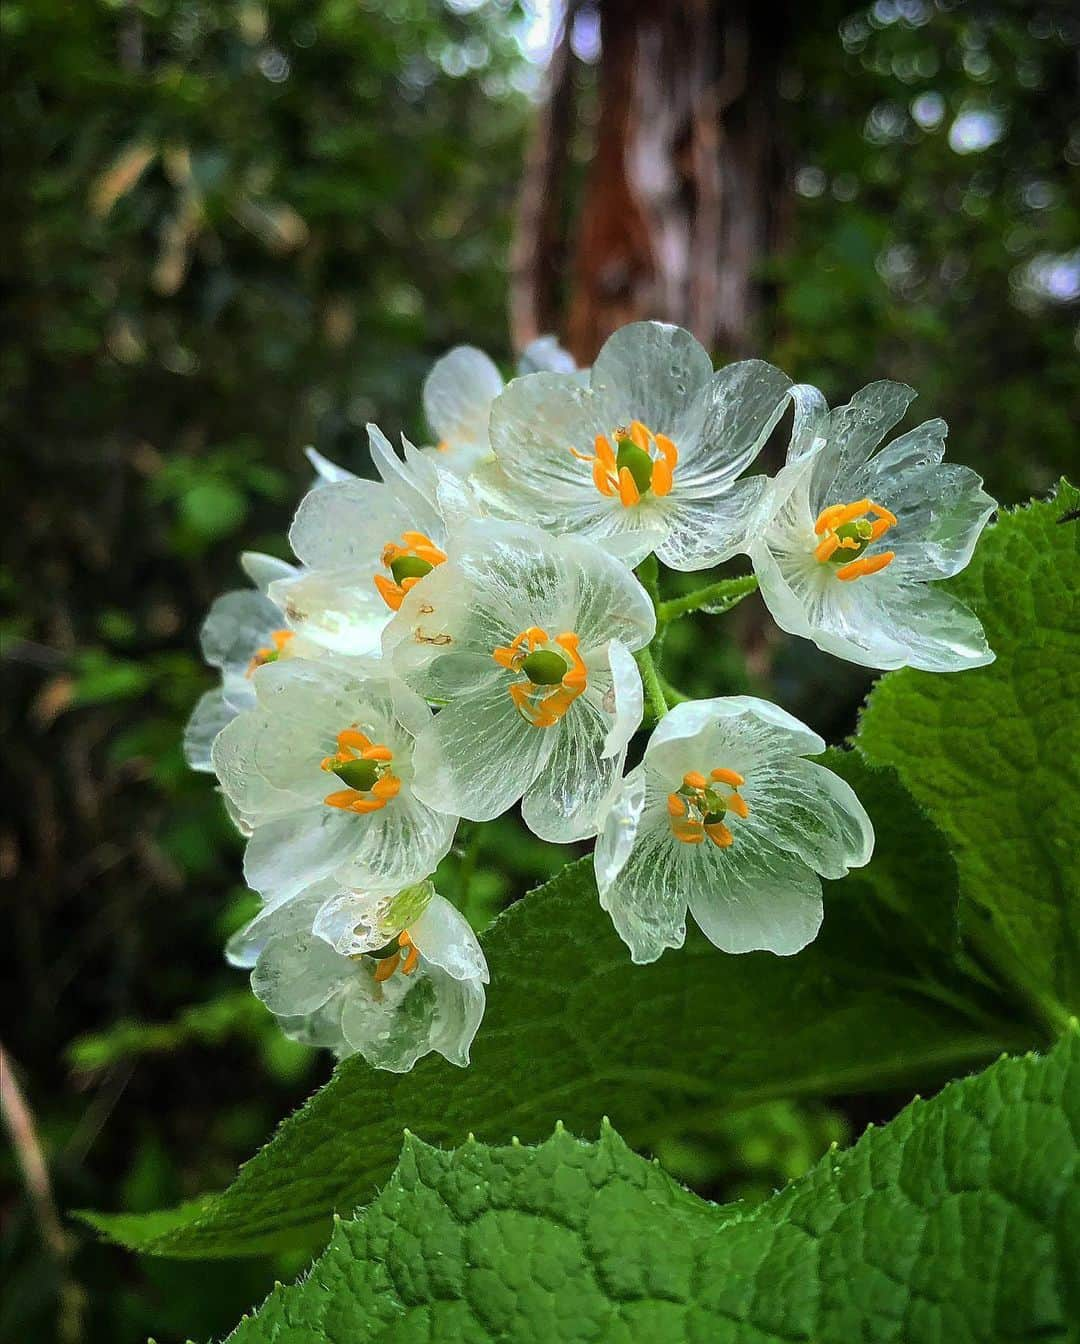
<point>686,193</point>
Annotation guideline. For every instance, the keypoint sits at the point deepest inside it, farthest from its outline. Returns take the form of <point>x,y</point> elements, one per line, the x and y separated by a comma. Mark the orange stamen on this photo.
<point>719,834</point>
<point>738,806</point>
<point>731,777</point>
<point>390,592</point>
<point>694,779</point>
<point>387,967</point>
<point>611,481</point>
<point>866,564</point>
<point>676,806</point>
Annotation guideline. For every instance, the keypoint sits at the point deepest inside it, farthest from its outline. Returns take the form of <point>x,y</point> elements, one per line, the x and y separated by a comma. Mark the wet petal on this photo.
<point>743,403</point>
<point>444,938</point>
<point>208,718</point>
<point>297,973</point>
<point>262,569</point>
<point>237,625</point>
<point>706,532</point>
<point>653,372</point>
<point>339,609</point>
<point>563,802</point>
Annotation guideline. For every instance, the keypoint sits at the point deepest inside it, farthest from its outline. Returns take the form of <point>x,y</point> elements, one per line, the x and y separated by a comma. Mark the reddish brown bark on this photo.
<point>686,192</point>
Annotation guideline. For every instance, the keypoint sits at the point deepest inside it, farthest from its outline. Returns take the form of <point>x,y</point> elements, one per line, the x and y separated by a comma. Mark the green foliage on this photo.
<point>994,755</point>
<point>946,1224</point>
<point>572,1027</point>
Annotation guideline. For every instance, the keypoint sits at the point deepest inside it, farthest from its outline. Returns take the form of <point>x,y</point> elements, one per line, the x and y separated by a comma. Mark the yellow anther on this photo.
<point>544,702</point>
<point>269,653</point>
<point>696,811</point>
<point>844,532</point>
<point>417,551</point>
<point>868,564</point>
<point>364,767</point>
<point>656,458</point>
<point>719,834</point>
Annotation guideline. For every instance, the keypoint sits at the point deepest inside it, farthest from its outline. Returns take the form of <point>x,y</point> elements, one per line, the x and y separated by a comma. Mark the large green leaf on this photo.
<point>959,1221</point>
<point>994,754</point>
<point>573,1029</point>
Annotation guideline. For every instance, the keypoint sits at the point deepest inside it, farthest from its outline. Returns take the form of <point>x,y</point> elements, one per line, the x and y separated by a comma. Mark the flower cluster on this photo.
<point>465,630</point>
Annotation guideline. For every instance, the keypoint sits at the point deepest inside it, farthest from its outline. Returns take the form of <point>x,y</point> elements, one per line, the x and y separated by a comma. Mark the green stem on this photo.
<point>718,597</point>
<point>672,694</point>
<point>654,688</point>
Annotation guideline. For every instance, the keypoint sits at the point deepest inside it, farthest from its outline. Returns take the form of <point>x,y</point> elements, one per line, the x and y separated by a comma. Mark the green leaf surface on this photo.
<point>957,1222</point>
<point>574,1030</point>
<point>994,754</point>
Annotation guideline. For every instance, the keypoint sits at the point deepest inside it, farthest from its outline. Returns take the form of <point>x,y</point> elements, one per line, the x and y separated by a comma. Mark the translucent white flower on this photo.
<point>322,771</point>
<point>242,631</point>
<point>724,817</point>
<point>364,543</point>
<point>646,457</point>
<point>526,640</point>
<point>849,538</point>
<point>406,977</point>
<point>458,393</point>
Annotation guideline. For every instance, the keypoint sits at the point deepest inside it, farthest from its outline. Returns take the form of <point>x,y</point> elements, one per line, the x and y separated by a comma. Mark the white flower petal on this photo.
<point>479,755</point>
<point>339,609</point>
<point>209,716</point>
<point>810,425</point>
<point>457,396</point>
<point>637,872</point>
<point>238,624</point>
<point>297,973</point>
<point>355,921</point>
<point>733,732</point>
<point>326,471</point>
<point>287,854</point>
<point>444,938</point>
<point>262,569</point>
<point>854,432</point>
<point>398,1022</point>
<point>743,403</point>
<point>752,896</point>
<point>347,524</point>
<point>936,630</point>
<point>627,696</point>
<point>653,372</point>
<point>535,422</point>
<point>546,355</point>
<point>706,532</point>
<point>805,809</point>
<point>563,802</point>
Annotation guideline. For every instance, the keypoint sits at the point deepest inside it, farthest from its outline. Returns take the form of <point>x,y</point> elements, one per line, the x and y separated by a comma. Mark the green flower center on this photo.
<point>545,667</point>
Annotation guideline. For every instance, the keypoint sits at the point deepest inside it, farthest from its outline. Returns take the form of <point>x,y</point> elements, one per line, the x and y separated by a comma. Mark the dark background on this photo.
<point>232,229</point>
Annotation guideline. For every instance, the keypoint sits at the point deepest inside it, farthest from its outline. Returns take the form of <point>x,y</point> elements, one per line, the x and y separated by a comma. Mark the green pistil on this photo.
<point>859,531</point>
<point>358,774</point>
<point>545,667</point>
<point>638,463</point>
<point>409,567</point>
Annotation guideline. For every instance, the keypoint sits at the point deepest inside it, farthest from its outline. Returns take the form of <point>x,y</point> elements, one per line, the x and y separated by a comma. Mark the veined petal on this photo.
<point>807,810</point>
<point>395,1023</point>
<point>708,531</point>
<point>348,524</point>
<point>627,697</point>
<point>457,396</point>
<point>535,422</point>
<point>736,732</point>
<point>743,403</point>
<point>936,630</point>
<point>638,872</point>
<point>398,845</point>
<point>854,432</point>
<point>563,802</point>
<point>289,853</point>
<point>479,755</point>
<point>752,896</point>
<point>296,973</point>
<point>443,937</point>
<point>653,372</point>
<point>356,920</point>
<point>411,483</point>
<point>810,424</point>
